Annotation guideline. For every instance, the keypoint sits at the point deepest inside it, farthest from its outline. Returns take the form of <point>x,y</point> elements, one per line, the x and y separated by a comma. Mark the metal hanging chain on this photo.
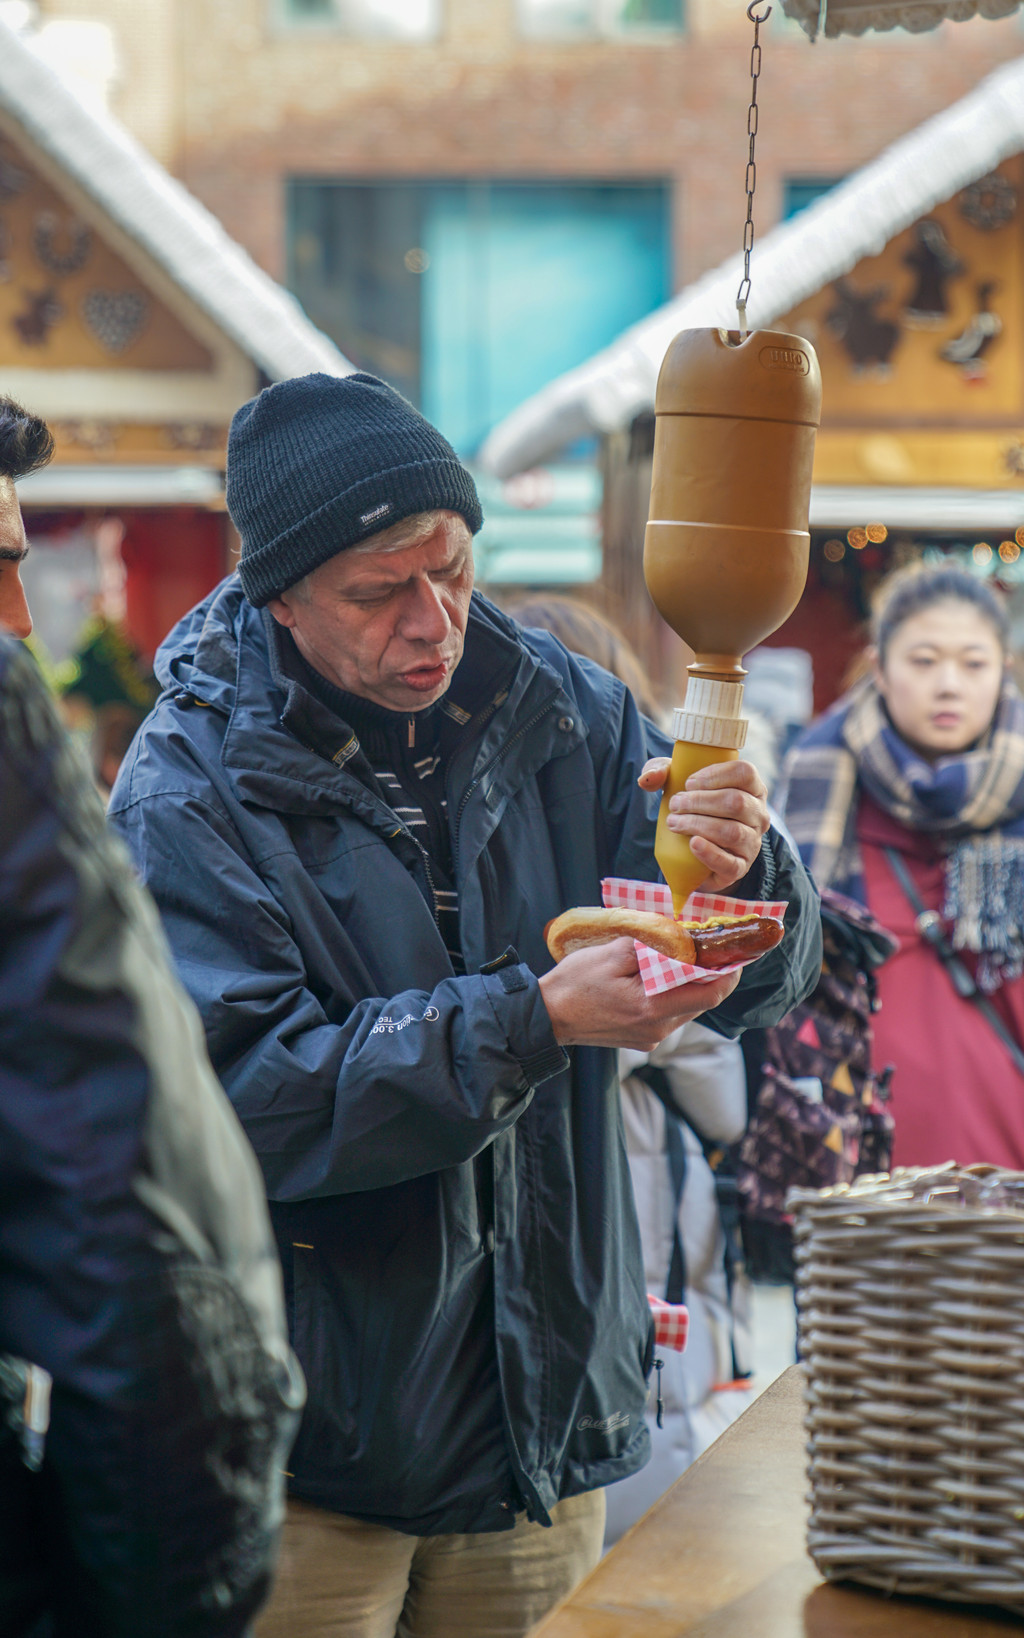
<point>743,292</point>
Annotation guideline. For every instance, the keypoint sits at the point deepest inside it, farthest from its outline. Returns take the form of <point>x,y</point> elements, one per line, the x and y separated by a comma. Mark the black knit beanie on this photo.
<point>321,462</point>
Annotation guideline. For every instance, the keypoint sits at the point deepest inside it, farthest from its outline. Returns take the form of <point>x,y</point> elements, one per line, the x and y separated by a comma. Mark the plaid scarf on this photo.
<point>971,803</point>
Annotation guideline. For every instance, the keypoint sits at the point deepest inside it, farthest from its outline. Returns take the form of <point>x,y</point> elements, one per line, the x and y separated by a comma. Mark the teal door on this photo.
<point>526,280</point>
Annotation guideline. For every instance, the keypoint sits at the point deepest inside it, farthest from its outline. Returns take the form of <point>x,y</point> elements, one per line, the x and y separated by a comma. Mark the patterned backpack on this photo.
<point>819,1116</point>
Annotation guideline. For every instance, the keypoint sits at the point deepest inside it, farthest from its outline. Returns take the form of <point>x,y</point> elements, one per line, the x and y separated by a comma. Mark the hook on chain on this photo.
<point>753,15</point>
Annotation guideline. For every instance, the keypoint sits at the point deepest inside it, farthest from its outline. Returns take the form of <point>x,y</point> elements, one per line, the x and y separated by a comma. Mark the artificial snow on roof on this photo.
<point>180,234</point>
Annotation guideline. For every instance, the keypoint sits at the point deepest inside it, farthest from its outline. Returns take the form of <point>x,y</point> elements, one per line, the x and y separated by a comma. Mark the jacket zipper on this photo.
<point>496,758</point>
<point>424,855</point>
<point>430,880</point>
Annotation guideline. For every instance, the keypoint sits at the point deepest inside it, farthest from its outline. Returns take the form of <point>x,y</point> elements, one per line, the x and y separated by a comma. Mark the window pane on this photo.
<point>650,14</point>
<point>356,264</point>
<point>800,191</point>
<point>556,18</point>
<point>580,18</point>
<point>382,19</point>
<point>469,296</point>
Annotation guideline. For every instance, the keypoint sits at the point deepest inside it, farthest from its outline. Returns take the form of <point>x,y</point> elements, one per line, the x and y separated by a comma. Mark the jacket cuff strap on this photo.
<point>542,1065</point>
<point>551,1059</point>
<point>759,882</point>
<point>769,867</point>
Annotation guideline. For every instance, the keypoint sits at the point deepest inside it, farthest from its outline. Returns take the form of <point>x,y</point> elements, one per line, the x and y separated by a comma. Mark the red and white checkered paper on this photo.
<point>661,973</point>
<point>671,1323</point>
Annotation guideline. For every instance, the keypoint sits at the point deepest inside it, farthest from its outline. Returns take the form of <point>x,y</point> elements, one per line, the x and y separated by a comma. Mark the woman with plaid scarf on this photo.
<point>919,769</point>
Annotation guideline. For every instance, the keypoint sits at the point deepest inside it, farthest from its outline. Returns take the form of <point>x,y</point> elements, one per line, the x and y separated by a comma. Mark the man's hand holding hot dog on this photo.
<point>595,996</point>
<point>724,812</point>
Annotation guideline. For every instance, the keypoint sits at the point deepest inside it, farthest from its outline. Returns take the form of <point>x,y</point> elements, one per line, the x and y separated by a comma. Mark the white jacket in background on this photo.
<point>706,1078</point>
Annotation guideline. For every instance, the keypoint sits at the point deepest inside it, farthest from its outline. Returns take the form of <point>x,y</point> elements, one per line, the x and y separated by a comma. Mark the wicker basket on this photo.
<point>910,1292</point>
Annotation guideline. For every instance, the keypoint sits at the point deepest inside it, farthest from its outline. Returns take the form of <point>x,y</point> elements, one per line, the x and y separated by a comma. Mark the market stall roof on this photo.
<point>60,486</point>
<point>949,510</point>
<point>834,17</point>
<point>792,262</point>
<point>155,210</point>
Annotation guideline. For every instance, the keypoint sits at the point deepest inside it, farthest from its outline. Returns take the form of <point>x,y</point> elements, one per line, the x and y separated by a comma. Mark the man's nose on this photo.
<point>424,617</point>
<point>14,612</point>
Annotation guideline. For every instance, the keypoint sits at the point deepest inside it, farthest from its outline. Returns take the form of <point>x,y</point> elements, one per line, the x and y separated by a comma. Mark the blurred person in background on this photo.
<point>582,630</point>
<point>147,1392</point>
<point>116,727</point>
<point>685,1097</point>
<point>908,796</point>
<point>778,696</point>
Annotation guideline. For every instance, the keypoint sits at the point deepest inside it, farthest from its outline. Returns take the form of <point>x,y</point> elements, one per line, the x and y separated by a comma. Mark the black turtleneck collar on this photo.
<point>380,732</point>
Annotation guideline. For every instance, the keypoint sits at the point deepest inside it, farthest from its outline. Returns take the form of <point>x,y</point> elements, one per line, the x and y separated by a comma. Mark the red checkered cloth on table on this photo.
<point>660,973</point>
<point>671,1323</point>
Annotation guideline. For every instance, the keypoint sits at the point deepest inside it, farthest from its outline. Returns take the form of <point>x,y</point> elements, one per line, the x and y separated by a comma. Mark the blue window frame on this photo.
<point>582,19</point>
<point>368,19</point>
<point>468,296</point>
<point>800,191</point>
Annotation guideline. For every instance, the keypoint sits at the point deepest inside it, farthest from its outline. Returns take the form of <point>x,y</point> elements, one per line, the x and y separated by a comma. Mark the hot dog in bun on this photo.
<point>718,942</point>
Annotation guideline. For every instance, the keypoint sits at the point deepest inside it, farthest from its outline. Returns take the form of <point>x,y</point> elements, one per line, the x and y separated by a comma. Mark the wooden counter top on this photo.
<point>721,1555</point>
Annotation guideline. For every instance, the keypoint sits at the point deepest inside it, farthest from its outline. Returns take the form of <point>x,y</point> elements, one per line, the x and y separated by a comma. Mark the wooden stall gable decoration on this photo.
<point>67,300</point>
<point>85,440</point>
<point>927,338</point>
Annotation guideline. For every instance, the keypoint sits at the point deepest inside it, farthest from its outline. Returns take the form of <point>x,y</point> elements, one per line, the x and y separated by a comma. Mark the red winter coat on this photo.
<point>956,1093</point>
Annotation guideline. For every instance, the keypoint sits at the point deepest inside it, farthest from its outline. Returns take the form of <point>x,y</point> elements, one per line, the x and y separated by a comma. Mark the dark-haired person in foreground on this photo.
<point>363,793</point>
<point>147,1393</point>
<point>26,444</point>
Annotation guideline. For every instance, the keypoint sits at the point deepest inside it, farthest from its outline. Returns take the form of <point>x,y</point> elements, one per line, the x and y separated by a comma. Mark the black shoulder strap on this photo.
<point>929,925</point>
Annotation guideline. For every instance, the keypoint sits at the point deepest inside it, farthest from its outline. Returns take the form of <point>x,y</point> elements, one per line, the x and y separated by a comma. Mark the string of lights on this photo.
<point>984,554</point>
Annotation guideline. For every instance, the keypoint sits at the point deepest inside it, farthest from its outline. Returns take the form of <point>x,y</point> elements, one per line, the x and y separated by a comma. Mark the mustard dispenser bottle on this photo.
<point>727,542</point>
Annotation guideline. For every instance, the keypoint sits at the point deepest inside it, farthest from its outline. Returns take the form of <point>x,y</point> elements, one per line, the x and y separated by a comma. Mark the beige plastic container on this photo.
<point>726,547</point>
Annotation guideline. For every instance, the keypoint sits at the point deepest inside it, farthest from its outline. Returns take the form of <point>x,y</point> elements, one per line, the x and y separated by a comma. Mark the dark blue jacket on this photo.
<point>431,1154</point>
<point>137,1266</point>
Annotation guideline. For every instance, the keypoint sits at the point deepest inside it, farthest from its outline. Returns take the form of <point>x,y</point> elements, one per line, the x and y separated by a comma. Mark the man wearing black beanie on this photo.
<point>360,798</point>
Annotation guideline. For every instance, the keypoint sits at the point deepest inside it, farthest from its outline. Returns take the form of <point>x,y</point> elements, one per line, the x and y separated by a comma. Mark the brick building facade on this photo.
<point>234,98</point>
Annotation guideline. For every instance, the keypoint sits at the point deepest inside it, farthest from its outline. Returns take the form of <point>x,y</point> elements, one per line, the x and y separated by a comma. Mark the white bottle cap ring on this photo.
<point>696,728</point>
<point>705,697</point>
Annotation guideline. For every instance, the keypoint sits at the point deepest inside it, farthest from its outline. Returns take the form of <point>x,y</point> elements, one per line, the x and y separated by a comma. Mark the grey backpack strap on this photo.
<point>657,1082</point>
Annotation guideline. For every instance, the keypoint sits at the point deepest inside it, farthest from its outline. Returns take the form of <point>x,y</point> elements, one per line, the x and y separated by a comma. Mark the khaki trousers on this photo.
<point>342,1578</point>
